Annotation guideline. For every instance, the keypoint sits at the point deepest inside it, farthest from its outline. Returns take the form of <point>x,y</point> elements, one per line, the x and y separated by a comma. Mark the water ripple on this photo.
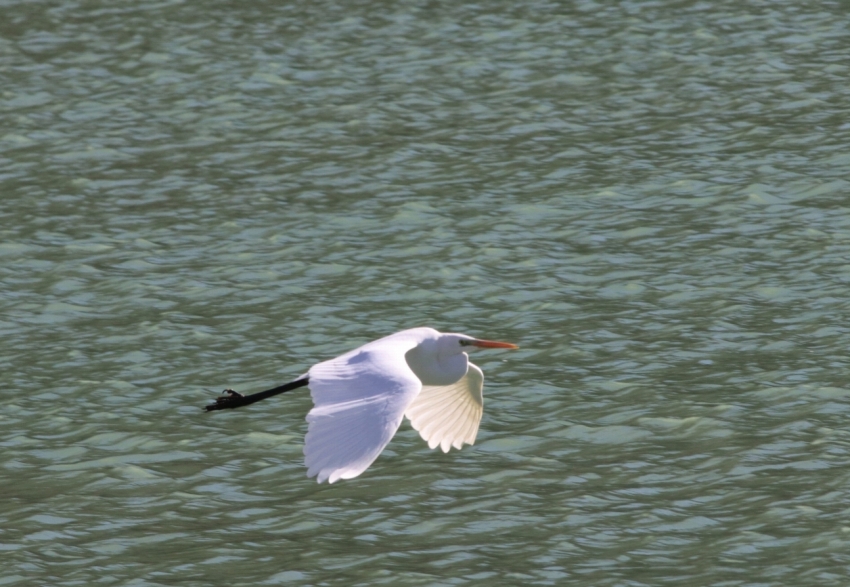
<point>648,198</point>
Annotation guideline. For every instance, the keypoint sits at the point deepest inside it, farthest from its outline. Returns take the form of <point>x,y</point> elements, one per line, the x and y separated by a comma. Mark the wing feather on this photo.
<point>450,429</point>
<point>448,416</point>
<point>465,429</point>
<point>359,402</point>
<point>468,431</point>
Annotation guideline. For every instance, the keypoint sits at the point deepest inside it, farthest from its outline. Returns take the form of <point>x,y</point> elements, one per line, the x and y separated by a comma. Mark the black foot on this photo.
<point>233,399</point>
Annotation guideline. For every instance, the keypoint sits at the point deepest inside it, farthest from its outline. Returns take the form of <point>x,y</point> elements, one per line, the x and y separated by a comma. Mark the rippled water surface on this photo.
<point>651,198</point>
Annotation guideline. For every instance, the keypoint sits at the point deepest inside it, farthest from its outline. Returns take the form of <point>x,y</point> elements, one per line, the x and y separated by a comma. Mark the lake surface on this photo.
<point>651,198</point>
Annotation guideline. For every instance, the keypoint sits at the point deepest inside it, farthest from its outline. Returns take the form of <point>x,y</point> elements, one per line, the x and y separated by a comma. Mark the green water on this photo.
<point>651,198</point>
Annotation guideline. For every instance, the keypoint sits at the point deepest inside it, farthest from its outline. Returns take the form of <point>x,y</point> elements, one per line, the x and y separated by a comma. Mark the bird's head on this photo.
<point>440,358</point>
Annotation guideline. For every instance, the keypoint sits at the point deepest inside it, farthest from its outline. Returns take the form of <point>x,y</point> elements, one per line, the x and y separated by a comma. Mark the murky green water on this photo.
<point>651,198</point>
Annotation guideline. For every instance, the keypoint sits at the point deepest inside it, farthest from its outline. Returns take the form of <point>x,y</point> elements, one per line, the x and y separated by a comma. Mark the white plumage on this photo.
<point>448,416</point>
<point>361,397</point>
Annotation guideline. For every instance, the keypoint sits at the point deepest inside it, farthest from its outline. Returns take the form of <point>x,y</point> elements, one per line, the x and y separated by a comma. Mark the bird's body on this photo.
<point>361,397</point>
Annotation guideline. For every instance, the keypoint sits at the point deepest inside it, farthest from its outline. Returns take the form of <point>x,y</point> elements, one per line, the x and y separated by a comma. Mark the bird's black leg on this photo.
<point>234,399</point>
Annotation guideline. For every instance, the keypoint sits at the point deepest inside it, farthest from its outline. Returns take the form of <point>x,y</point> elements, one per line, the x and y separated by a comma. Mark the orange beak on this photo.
<point>492,344</point>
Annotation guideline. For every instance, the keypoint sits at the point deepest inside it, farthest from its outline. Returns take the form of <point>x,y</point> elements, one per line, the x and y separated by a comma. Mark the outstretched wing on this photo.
<point>359,401</point>
<point>449,415</point>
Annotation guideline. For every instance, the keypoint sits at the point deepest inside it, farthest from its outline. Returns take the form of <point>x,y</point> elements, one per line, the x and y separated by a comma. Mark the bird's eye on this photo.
<point>464,342</point>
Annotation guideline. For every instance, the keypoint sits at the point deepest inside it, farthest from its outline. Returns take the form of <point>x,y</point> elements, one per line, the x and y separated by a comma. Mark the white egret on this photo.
<point>361,397</point>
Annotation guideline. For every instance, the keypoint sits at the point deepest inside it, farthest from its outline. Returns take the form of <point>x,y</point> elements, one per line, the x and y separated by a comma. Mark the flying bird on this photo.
<point>361,397</point>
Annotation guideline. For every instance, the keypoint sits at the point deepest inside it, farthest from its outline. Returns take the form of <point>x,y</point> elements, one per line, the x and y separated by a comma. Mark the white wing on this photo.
<point>359,401</point>
<point>449,415</point>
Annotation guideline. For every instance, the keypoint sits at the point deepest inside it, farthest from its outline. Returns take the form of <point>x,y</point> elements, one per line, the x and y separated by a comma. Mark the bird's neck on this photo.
<point>433,368</point>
